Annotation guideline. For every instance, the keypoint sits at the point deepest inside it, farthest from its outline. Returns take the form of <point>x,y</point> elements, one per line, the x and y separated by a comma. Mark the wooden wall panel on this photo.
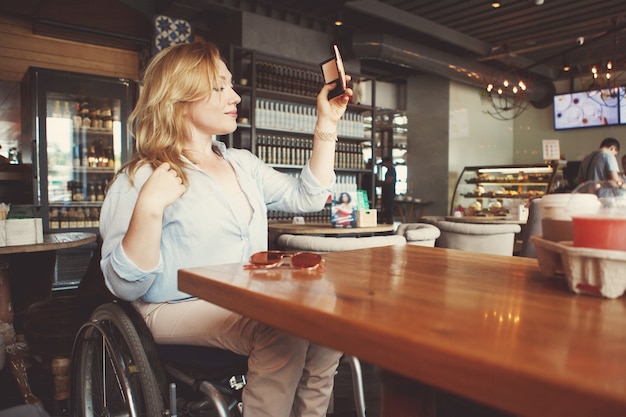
<point>20,48</point>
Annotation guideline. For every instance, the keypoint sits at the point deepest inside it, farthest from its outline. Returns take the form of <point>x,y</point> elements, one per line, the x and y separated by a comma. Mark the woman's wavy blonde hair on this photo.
<point>175,77</point>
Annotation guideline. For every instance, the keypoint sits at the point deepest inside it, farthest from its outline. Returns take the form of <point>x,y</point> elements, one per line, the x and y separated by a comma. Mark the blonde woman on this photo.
<point>186,200</point>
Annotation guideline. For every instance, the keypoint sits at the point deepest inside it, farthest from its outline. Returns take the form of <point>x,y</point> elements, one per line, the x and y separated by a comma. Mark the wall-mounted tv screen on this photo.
<point>585,109</point>
<point>622,105</point>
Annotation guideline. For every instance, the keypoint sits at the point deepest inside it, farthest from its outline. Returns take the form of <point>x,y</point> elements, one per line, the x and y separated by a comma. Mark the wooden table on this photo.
<point>489,328</point>
<point>15,351</point>
<point>411,210</point>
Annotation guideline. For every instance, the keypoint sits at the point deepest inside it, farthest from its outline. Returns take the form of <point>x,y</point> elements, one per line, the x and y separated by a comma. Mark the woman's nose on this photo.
<point>236,97</point>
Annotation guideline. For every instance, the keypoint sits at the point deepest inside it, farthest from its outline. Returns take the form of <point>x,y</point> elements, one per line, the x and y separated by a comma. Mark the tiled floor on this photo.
<point>344,404</point>
<point>40,381</point>
<point>41,384</point>
<point>447,405</point>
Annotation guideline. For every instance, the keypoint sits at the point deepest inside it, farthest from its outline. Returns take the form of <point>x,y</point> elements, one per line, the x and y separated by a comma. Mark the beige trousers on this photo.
<point>287,375</point>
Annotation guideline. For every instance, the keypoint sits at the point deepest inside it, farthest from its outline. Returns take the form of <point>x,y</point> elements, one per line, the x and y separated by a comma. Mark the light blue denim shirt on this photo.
<point>202,227</point>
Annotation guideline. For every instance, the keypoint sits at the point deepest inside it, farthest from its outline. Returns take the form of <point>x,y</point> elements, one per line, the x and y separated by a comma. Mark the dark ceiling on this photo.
<point>519,34</point>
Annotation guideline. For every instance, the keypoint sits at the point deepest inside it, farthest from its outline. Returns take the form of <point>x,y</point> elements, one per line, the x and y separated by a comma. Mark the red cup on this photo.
<point>600,232</point>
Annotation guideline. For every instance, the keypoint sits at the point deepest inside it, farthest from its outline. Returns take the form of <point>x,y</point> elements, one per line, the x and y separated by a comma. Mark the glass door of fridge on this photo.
<point>74,133</point>
<point>84,150</point>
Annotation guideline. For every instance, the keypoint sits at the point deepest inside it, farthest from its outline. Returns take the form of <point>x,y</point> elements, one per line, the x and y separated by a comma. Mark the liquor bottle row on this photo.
<point>347,183</point>
<point>74,217</point>
<point>94,155</point>
<point>289,150</point>
<point>83,114</point>
<point>322,216</point>
<point>93,191</point>
<point>273,114</point>
<point>287,79</point>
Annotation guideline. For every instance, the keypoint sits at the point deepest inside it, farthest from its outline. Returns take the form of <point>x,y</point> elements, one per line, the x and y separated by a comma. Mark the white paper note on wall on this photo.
<point>551,150</point>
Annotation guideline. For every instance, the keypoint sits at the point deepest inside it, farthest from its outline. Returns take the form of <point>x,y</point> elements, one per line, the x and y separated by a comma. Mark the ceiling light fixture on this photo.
<point>506,95</point>
<point>566,66</point>
<point>496,4</point>
<point>339,20</point>
<point>606,75</point>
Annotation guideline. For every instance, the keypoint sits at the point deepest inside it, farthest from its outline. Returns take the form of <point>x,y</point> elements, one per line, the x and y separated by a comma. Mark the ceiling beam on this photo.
<point>419,24</point>
<point>443,33</point>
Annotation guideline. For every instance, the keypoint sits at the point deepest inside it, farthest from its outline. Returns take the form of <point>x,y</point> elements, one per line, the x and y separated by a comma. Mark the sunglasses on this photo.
<point>275,259</point>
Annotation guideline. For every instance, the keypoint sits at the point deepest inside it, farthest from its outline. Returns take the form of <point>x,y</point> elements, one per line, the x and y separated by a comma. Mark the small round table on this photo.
<point>484,220</point>
<point>325,229</point>
<point>15,351</point>
<point>322,229</point>
<point>411,210</point>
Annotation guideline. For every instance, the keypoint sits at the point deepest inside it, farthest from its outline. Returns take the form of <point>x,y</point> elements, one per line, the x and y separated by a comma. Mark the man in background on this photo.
<point>388,190</point>
<point>601,165</point>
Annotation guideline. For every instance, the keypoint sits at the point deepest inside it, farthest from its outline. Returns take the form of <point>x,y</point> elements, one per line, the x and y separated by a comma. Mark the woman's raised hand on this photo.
<point>163,187</point>
<point>331,111</point>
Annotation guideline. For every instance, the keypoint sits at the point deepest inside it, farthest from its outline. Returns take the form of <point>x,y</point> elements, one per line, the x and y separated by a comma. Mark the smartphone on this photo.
<point>333,71</point>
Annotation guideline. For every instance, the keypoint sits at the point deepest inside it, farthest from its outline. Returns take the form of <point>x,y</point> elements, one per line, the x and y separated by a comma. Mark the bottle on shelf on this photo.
<point>76,117</point>
<point>95,216</point>
<point>91,192</point>
<point>99,192</point>
<point>56,109</point>
<point>66,112</point>
<point>54,218</point>
<point>84,114</point>
<point>64,222</point>
<point>80,218</point>
<point>87,216</point>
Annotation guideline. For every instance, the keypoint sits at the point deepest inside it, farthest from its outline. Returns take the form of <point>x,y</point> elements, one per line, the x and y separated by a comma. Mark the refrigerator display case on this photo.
<point>76,124</point>
<point>74,132</point>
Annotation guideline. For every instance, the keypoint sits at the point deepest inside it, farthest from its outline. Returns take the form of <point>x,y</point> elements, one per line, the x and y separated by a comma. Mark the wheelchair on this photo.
<point>119,370</point>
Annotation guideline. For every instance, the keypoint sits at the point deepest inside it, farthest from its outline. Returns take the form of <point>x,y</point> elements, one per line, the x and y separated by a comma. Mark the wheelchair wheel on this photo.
<point>111,374</point>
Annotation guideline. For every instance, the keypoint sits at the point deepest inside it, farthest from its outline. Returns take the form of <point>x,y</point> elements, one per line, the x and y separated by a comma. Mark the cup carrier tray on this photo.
<point>591,271</point>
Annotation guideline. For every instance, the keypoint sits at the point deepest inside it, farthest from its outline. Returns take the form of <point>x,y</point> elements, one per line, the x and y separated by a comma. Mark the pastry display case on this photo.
<point>500,190</point>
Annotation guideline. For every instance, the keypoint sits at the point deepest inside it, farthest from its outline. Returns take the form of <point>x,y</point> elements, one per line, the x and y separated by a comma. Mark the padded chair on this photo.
<point>406,233</point>
<point>334,244</point>
<point>491,238</point>
<point>420,234</point>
